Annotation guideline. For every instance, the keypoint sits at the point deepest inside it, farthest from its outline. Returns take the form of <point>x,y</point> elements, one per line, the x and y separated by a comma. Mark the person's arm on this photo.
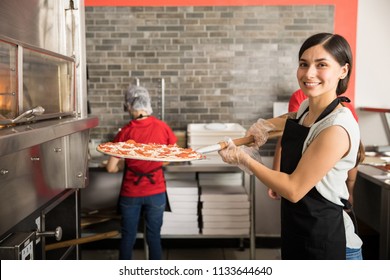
<point>276,166</point>
<point>351,183</point>
<point>352,174</point>
<point>113,165</point>
<point>321,155</point>
<point>277,155</point>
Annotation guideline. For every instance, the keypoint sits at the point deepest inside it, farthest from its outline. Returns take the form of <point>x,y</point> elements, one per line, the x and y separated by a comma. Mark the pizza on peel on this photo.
<point>152,151</point>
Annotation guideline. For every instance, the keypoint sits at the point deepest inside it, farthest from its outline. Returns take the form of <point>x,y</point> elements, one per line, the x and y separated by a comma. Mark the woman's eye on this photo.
<point>321,65</point>
<point>302,64</point>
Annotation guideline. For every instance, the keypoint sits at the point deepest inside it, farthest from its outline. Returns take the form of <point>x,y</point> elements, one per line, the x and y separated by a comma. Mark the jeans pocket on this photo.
<point>158,201</point>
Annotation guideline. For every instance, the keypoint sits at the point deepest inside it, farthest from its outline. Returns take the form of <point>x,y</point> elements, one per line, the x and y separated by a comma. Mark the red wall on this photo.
<point>345,20</point>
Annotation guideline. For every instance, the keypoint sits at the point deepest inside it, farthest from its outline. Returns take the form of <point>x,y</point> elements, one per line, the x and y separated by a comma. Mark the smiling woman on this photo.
<point>323,135</point>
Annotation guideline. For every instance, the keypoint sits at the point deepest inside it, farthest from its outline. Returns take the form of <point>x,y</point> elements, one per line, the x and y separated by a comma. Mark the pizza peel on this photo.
<point>238,142</point>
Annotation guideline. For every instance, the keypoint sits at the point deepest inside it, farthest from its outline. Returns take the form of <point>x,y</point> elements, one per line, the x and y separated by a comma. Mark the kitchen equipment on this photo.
<point>44,126</point>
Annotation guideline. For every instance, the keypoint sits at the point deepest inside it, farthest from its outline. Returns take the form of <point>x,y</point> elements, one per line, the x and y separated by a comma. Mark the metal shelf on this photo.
<point>249,180</point>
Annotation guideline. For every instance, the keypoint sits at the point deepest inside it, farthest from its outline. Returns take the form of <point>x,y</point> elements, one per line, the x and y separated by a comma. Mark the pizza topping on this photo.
<point>151,151</point>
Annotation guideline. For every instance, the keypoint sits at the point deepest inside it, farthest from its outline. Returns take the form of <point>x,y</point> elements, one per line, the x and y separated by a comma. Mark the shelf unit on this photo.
<point>249,181</point>
<point>102,194</point>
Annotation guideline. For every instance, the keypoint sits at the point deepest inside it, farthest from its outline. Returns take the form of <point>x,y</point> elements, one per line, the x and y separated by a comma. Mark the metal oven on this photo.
<point>44,127</point>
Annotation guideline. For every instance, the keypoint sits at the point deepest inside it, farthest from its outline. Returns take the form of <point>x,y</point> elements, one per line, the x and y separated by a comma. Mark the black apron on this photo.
<point>148,175</point>
<point>312,228</point>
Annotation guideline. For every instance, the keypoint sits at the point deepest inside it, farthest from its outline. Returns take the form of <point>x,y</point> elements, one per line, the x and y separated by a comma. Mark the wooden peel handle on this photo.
<point>249,139</point>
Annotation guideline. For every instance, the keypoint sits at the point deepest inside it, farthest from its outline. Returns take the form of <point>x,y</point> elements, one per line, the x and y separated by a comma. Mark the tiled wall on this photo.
<point>219,64</point>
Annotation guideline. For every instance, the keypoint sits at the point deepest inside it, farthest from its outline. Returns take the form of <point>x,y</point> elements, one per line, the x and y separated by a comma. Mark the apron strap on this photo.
<point>329,108</point>
<point>148,175</point>
<point>349,210</point>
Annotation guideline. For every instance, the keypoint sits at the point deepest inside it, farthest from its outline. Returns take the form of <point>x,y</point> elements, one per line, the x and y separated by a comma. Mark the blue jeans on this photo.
<point>354,254</point>
<point>153,208</point>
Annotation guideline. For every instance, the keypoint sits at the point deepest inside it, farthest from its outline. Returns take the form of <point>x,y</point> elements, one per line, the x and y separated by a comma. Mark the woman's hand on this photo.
<point>240,155</point>
<point>259,130</point>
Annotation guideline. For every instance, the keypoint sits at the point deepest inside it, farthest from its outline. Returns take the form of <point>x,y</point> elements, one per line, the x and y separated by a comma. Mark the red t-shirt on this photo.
<point>149,130</point>
<point>298,96</point>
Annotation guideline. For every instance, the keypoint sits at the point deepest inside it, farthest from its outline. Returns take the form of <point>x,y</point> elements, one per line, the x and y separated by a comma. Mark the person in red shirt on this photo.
<point>143,186</point>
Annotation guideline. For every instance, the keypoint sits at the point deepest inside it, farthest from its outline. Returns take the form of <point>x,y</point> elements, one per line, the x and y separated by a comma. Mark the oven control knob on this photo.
<point>57,233</point>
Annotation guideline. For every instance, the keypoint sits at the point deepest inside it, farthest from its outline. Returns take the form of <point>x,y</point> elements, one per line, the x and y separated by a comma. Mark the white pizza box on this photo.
<point>186,207</point>
<point>214,128</point>
<point>225,205</point>
<point>184,176</point>
<point>185,211</point>
<point>184,187</point>
<point>224,198</point>
<point>182,197</point>
<point>179,230</point>
<point>193,224</point>
<point>212,133</point>
<point>196,142</point>
<point>178,217</point>
<point>183,204</point>
<point>226,224</point>
<point>225,218</point>
<point>225,231</point>
<point>210,179</point>
<point>219,211</point>
<point>223,193</point>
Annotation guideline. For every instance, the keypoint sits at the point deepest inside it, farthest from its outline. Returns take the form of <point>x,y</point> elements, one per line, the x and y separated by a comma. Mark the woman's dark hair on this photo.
<point>338,47</point>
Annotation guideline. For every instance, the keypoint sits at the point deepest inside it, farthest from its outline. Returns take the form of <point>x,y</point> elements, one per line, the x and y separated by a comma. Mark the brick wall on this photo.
<point>219,64</point>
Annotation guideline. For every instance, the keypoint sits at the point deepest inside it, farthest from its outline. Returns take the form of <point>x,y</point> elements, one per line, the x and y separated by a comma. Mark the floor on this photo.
<point>188,254</point>
<point>184,248</point>
<point>207,248</point>
<point>178,251</point>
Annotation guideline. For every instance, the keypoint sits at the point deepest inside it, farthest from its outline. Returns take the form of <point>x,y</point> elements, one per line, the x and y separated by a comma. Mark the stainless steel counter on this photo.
<point>372,203</point>
<point>21,137</point>
<point>375,175</point>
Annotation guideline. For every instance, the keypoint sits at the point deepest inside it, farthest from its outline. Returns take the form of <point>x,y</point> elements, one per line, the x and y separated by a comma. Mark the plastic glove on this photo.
<point>239,155</point>
<point>260,130</point>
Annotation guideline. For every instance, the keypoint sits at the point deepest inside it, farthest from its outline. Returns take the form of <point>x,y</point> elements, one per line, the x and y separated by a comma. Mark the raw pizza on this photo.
<point>153,152</point>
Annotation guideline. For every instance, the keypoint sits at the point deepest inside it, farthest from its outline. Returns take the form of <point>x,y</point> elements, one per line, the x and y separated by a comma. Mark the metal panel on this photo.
<point>77,159</point>
<point>24,186</point>
<point>35,22</point>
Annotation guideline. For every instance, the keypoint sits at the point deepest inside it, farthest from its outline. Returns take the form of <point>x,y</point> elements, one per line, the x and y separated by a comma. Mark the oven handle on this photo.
<point>81,240</point>
<point>29,114</point>
<point>57,233</point>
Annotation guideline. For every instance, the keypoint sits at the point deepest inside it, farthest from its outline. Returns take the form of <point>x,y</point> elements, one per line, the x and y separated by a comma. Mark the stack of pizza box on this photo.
<point>183,197</point>
<point>225,207</point>
<point>200,135</point>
